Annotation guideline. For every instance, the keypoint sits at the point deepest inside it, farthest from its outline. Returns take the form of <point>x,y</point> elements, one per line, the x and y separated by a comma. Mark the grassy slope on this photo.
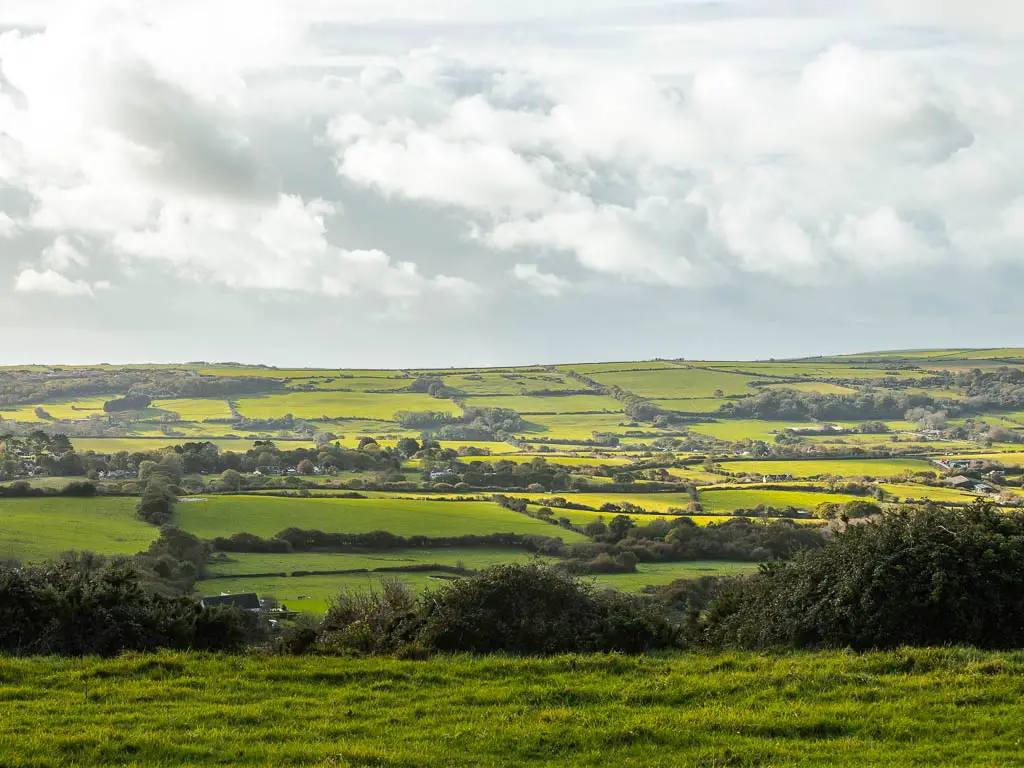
<point>39,529</point>
<point>267,515</point>
<point>911,707</point>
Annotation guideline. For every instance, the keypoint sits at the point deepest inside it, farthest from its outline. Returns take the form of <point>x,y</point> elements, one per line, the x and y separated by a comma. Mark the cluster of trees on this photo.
<point>793,405</point>
<point>300,540</point>
<point>19,386</point>
<point>127,403</point>
<point>473,424</point>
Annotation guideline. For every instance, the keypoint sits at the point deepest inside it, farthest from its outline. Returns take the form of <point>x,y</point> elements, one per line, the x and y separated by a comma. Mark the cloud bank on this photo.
<point>454,161</point>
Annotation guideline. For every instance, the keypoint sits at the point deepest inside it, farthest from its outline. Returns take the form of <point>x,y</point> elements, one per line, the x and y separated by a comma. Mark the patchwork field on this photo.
<point>37,529</point>
<point>195,410</point>
<point>74,409</point>
<point>543,405</point>
<point>678,382</point>
<point>332,405</point>
<point>840,468</point>
<point>581,426</point>
<point>267,515</point>
<point>742,429</point>
<point>732,499</point>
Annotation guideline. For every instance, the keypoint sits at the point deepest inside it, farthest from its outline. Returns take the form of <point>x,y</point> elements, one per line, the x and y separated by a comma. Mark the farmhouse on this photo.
<point>777,478</point>
<point>247,600</point>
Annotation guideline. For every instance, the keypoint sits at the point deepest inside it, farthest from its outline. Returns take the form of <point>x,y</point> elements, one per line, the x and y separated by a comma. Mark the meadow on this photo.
<point>581,426</point>
<point>241,563</point>
<point>939,707</point>
<point>692,404</point>
<point>332,405</point>
<point>528,405</point>
<point>313,593</point>
<point>267,515</point>
<point>838,467</point>
<point>678,382</point>
<point>731,499</point>
<point>37,529</point>
<point>195,409</point>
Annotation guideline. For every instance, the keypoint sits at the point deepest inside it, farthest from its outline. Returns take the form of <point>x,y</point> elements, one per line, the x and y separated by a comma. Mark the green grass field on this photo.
<point>678,382</point>
<point>914,491</point>
<point>655,502</point>
<point>235,564</point>
<point>195,409</point>
<point>267,515</point>
<point>527,405</point>
<point>312,594</point>
<point>580,426</point>
<point>80,408</point>
<point>692,404</point>
<point>820,387</point>
<point>741,429</point>
<point>362,405</point>
<point>731,499</point>
<point>840,467</point>
<point>941,707</point>
<point>37,529</point>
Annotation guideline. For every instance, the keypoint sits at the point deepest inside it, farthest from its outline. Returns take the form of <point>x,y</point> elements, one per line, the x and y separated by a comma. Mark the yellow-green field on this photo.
<point>195,409</point>
<point>74,409</point>
<point>733,499</point>
<point>693,404</point>
<point>316,405</point>
<point>904,491</point>
<point>820,387</point>
<point>838,467</point>
<point>678,382</point>
<point>544,405</point>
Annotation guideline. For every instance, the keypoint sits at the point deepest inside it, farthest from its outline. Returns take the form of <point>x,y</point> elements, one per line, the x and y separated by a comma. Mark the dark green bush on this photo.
<point>71,609</point>
<point>928,577</point>
<point>535,609</point>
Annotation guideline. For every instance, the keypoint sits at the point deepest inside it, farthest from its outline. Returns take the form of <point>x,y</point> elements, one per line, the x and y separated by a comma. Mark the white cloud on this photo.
<point>49,281</point>
<point>681,144</point>
<point>62,254</point>
<point>543,283</point>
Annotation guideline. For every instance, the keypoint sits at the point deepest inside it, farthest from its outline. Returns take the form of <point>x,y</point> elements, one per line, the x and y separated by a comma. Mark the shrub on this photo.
<point>928,577</point>
<point>534,609</point>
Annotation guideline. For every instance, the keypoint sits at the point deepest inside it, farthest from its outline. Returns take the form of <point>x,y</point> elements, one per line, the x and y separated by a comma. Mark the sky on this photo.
<point>347,183</point>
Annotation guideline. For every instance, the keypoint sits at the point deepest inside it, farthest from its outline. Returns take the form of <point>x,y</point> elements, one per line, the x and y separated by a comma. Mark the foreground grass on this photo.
<point>911,707</point>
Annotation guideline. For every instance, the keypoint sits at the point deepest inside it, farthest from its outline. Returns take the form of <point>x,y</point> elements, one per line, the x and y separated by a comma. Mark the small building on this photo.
<point>960,482</point>
<point>248,601</point>
<point>777,478</point>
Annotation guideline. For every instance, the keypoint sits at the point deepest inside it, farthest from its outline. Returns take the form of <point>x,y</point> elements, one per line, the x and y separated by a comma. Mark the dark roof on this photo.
<point>247,600</point>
